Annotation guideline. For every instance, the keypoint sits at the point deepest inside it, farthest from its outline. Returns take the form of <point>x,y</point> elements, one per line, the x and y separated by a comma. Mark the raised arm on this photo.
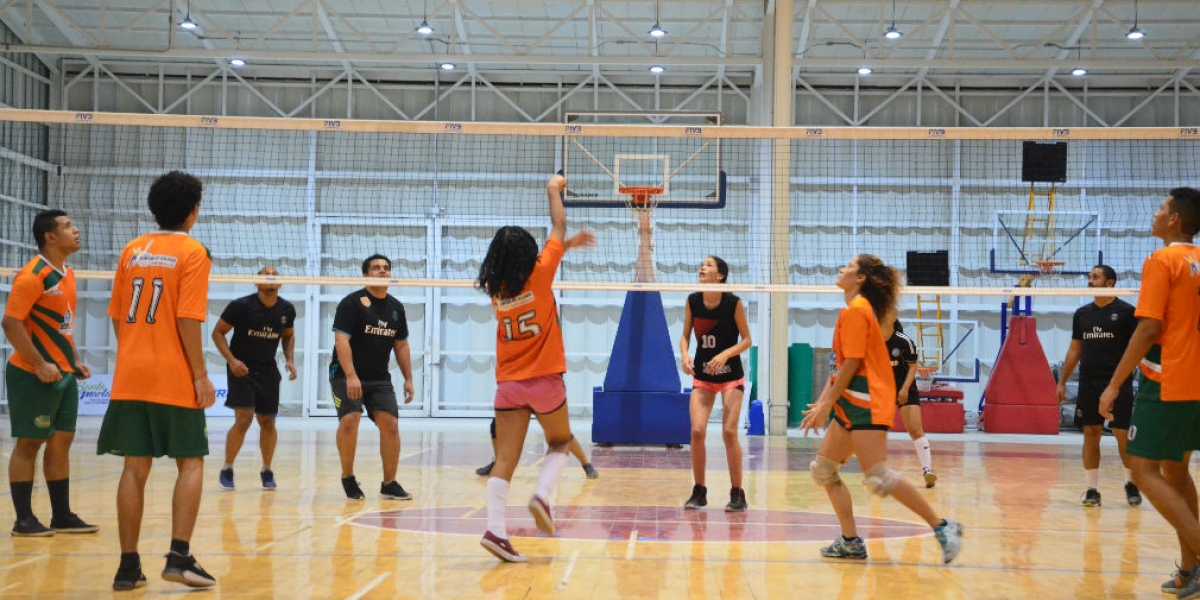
<point>558,214</point>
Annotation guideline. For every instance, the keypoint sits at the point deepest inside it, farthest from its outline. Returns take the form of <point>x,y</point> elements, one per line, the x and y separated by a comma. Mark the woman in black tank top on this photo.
<point>719,319</point>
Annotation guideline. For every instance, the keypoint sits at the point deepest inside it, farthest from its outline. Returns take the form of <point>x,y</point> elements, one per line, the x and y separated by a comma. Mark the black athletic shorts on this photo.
<point>1087,404</point>
<point>258,389</point>
<point>376,396</point>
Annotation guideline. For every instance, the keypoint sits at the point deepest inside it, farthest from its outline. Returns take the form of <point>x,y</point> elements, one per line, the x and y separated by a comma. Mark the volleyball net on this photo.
<point>968,215</point>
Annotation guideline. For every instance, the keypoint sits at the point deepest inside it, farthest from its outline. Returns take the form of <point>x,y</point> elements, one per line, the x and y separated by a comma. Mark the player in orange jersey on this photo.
<point>43,397</point>
<point>160,385</point>
<point>1165,427</point>
<point>530,362</point>
<point>857,407</point>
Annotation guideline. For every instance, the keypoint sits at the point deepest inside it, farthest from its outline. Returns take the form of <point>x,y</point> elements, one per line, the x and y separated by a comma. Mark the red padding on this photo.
<point>937,417</point>
<point>1003,418</point>
<point>1022,374</point>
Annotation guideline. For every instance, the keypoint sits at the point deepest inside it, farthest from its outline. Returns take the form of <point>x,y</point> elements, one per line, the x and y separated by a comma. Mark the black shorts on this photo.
<point>376,396</point>
<point>913,399</point>
<point>258,389</point>
<point>1087,404</point>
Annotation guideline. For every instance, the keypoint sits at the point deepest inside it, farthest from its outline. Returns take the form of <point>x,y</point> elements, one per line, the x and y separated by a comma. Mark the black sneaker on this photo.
<point>129,579</point>
<point>31,527</point>
<point>1091,497</point>
<point>72,524</point>
<point>737,500</point>
<point>485,470</point>
<point>699,498</point>
<point>353,491</point>
<point>268,480</point>
<point>392,491</point>
<point>225,478</point>
<point>185,570</point>
<point>1132,495</point>
<point>591,472</point>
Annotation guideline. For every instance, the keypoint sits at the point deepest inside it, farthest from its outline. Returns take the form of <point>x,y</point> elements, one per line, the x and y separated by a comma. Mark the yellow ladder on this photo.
<point>1037,242</point>
<point>929,335</point>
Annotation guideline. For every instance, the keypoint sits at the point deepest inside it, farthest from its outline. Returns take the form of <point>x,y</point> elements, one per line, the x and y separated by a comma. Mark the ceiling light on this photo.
<point>447,66</point>
<point>188,24</point>
<point>865,70</point>
<point>657,31</point>
<point>424,28</point>
<point>1135,33</point>
<point>237,62</point>
<point>656,69</point>
<point>892,33</point>
<point>1079,71</point>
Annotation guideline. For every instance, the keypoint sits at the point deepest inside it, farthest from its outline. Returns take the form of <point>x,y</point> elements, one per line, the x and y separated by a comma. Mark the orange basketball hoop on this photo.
<point>1045,267</point>
<point>925,377</point>
<point>641,198</point>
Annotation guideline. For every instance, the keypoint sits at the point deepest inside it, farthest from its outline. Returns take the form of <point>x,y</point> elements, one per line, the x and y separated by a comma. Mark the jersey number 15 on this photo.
<point>525,329</point>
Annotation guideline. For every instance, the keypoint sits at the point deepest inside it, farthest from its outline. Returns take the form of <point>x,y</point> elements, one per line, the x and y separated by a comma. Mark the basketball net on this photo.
<point>642,201</point>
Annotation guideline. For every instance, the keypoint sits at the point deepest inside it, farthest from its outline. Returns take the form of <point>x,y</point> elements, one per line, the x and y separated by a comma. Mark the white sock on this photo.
<point>1093,478</point>
<point>266,467</point>
<point>227,466</point>
<point>1128,475</point>
<point>552,468</point>
<point>922,446</point>
<point>497,503</point>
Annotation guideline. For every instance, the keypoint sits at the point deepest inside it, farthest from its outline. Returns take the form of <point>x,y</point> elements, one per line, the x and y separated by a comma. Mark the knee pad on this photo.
<point>881,480</point>
<point>824,471</point>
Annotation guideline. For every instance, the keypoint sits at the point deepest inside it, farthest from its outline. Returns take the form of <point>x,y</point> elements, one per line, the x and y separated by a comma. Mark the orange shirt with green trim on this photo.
<point>857,335</point>
<point>161,277</point>
<point>528,335</point>
<point>1170,293</point>
<point>43,299</point>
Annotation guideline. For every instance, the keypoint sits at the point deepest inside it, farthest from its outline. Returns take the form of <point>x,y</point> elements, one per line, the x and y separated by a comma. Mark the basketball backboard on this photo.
<point>1024,241</point>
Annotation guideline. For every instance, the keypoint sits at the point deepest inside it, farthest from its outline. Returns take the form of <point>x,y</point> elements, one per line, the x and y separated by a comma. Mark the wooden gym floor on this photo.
<point>623,535</point>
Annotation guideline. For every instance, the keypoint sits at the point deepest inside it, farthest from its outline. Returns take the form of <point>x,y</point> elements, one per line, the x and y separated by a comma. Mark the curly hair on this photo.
<point>509,261</point>
<point>173,197</point>
<point>882,284</point>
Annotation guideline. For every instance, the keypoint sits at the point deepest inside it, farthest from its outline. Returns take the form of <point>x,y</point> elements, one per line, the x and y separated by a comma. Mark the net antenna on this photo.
<point>641,202</point>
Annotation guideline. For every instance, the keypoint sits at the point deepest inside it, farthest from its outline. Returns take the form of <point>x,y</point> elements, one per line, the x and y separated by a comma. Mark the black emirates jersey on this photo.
<point>374,326</point>
<point>257,329</point>
<point>716,331</point>
<point>903,354</point>
<point>1103,333</point>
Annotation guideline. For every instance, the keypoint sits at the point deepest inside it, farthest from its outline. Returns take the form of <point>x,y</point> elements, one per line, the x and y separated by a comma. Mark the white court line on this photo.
<point>632,544</point>
<point>23,562</point>
<point>12,586</point>
<point>344,520</point>
<point>260,549</point>
<point>473,511</point>
<point>566,578</point>
<point>370,586</point>
<point>407,456</point>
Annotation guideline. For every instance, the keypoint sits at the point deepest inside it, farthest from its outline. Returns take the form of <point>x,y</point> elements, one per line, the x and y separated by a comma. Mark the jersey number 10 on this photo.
<point>708,341</point>
<point>135,298</point>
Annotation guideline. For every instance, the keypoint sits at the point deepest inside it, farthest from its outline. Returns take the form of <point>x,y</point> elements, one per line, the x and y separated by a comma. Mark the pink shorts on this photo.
<point>540,394</point>
<point>719,388</point>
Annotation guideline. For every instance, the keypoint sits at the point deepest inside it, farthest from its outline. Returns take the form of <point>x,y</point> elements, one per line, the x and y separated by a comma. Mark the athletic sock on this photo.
<point>130,560</point>
<point>1093,478</point>
<point>497,504</point>
<point>227,466</point>
<point>180,547</point>
<point>1128,475</point>
<point>60,497</point>
<point>22,497</point>
<point>922,446</point>
<point>552,468</point>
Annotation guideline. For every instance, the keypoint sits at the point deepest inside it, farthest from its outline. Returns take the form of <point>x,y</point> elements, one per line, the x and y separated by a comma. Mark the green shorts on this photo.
<point>1162,430</point>
<point>137,428</point>
<point>37,410</point>
<point>855,418</point>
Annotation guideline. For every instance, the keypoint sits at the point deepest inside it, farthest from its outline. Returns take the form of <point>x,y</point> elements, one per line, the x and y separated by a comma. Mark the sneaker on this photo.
<point>31,527</point>
<point>950,538</point>
<point>226,478</point>
<point>353,491</point>
<point>1179,579</point>
<point>843,548</point>
<point>485,470</point>
<point>1091,497</point>
<point>268,479</point>
<point>392,491</point>
<point>541,515</point>
<point>591,471</point>
<point>930,478</point>
<point>129,579</point>
<point>500,547</point>
<point>699,498</point>
<point>185,570</point>
<point>1132,495</point>
<point>737,500</point>
<point>72,524</point>
<point>1191,588</point>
